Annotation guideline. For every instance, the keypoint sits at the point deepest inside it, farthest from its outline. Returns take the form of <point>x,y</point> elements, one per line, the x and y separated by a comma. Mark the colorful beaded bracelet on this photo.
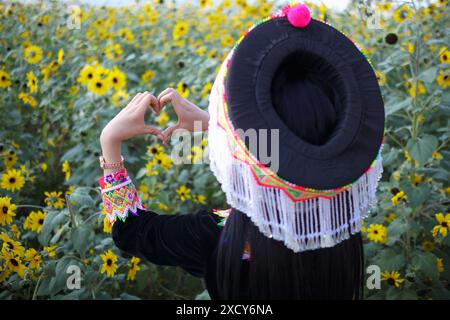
<point>119,196</point>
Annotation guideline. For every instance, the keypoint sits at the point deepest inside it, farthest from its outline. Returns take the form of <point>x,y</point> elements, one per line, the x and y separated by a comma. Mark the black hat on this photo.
<point>311,85</point>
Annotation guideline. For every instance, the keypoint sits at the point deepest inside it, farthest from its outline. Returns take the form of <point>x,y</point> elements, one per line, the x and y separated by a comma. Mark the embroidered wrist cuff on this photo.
<point>119,196</point>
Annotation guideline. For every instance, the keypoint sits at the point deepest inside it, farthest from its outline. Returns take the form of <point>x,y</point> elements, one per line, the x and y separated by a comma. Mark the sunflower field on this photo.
<point>66,70</point>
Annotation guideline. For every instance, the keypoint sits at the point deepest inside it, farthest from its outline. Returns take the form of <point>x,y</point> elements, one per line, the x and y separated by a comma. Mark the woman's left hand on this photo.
<point>130,121</point>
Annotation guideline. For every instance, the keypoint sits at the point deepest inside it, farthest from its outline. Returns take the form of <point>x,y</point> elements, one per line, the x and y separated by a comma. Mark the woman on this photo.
<point>293,233</point>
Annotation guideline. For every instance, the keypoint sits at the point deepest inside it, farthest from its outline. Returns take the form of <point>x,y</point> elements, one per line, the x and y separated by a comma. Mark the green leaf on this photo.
<point>416,195</point>
<point>127,296</point>
<point>392,107</point>
<point>81,237</point>
<point>395,229</point>
<point>426,263</point>
<point>421,148</point>
<point>389,260</point>
<point>428,75</point>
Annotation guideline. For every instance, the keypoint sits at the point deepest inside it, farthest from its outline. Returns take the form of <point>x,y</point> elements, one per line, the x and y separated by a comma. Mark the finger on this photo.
<point>154,104</point>
<point>164,92</point>
<point>166,99</point>
<point>133,100</point>
<point>168,132</point>
<point>141,98</point>
<point>153,131</point>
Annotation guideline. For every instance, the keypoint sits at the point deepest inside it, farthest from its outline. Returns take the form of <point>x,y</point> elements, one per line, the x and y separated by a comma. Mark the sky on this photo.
<point>335,4</point>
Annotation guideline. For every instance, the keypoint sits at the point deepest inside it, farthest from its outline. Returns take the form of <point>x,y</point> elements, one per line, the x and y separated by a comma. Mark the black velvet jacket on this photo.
<point>188,241</point>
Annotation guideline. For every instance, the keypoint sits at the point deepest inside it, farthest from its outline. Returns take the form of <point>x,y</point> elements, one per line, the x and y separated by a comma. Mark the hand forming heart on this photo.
<point>129,122</point>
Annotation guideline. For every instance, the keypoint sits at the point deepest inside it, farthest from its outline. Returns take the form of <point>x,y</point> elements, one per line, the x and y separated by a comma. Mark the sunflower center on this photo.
<point>444,224</point>
<point>5,209</point>
<point>109,262</point>
<point>376,232</point>
<point>115,80</point>
<point>89,75</point>
<point>41,221</point>
<point>444,57</point>
<point>3,78</point>
<point>391,281</point>
<point>14,262</point>
<point>98,84</point>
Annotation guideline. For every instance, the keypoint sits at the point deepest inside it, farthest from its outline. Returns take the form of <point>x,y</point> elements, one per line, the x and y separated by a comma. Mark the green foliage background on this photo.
<point>66,123</point>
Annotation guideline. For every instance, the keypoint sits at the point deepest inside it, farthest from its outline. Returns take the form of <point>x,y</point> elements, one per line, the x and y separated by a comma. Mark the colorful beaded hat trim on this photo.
<point>303,218</point>
<point>119,196</point>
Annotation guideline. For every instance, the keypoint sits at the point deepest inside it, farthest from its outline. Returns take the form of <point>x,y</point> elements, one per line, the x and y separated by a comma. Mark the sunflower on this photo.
<point>428,245</point>
<point>15,231</point>
<point>134,268</point>
<point>440,265</point>
<point>154,149</point>
<point>120,98</point>
<point>6,211</point>
<point>227,41</point>
<point>381,77</point>
<point>392,278</point>
<point>199,198</point>
<point>126,34</point>
<point>163,119</point>
<point>118,79</point>
<point>5,79</point>
<point>33,258</point>
<point>14,264</point>
<point>87,74</point>
<point>444,55</point>
<point>37,220</point>
<point>148,75</point>
<point>182,89</point>
<point>377,233</point>
<point>26,98</point>
<point>195,155</point>
<point>32,82</point>
<point>99,86</point>
<point>205,3</point>
<point>33,54</point>
<point>402,14</point>
<point>11,245</point>
<point>66,169</point>
<point>10,159</point>
<point>390,217</point>
<point>150,171</point>
<point>386,6</point>
<point>12,180</point>
<point>51,251</point>
<point>107,226</point>
<point>53,199</point>
<point>415,88</point>
<point>180,30</point>
<point>399,196</point>
<point>443,224</point>
<point>113,51</point>
<point>60,56</point>
<point>443,79</point>
<point>109,263</point>
<point>163,160</point>
<point>183,193</point>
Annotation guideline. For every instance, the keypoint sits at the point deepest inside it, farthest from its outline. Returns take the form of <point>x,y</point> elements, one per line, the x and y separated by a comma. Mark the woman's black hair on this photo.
<point>276,272</point>
<point>304,95</point>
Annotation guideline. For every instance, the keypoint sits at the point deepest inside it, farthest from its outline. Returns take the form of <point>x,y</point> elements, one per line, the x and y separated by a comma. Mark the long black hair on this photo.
<point>276,272</point>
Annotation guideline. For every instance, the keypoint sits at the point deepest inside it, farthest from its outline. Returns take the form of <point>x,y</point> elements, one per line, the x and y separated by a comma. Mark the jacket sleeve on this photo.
<point>176,240</point>
<point>185,240</point>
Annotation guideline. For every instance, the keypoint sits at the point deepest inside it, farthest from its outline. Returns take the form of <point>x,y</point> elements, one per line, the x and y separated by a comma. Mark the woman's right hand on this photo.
<point>187,112</point>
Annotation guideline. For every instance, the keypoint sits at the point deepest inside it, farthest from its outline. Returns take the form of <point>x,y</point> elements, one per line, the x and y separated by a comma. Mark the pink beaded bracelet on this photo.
<point>106,165</point>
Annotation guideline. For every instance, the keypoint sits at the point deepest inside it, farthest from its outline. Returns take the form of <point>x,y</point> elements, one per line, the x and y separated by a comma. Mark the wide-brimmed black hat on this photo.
<point>312,84</point>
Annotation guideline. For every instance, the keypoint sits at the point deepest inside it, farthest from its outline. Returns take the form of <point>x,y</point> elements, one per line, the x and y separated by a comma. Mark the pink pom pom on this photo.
<point>299,15</point>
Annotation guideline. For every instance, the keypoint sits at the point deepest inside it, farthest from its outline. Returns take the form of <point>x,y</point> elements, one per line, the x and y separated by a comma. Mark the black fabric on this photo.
<point>336,119</point>
<point>188,241</point>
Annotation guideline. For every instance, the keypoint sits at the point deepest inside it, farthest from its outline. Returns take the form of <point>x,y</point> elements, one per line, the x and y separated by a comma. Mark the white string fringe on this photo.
<point>305,225</point>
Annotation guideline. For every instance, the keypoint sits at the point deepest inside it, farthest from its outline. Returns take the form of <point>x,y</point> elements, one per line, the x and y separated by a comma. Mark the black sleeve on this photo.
<point>184,240</point>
